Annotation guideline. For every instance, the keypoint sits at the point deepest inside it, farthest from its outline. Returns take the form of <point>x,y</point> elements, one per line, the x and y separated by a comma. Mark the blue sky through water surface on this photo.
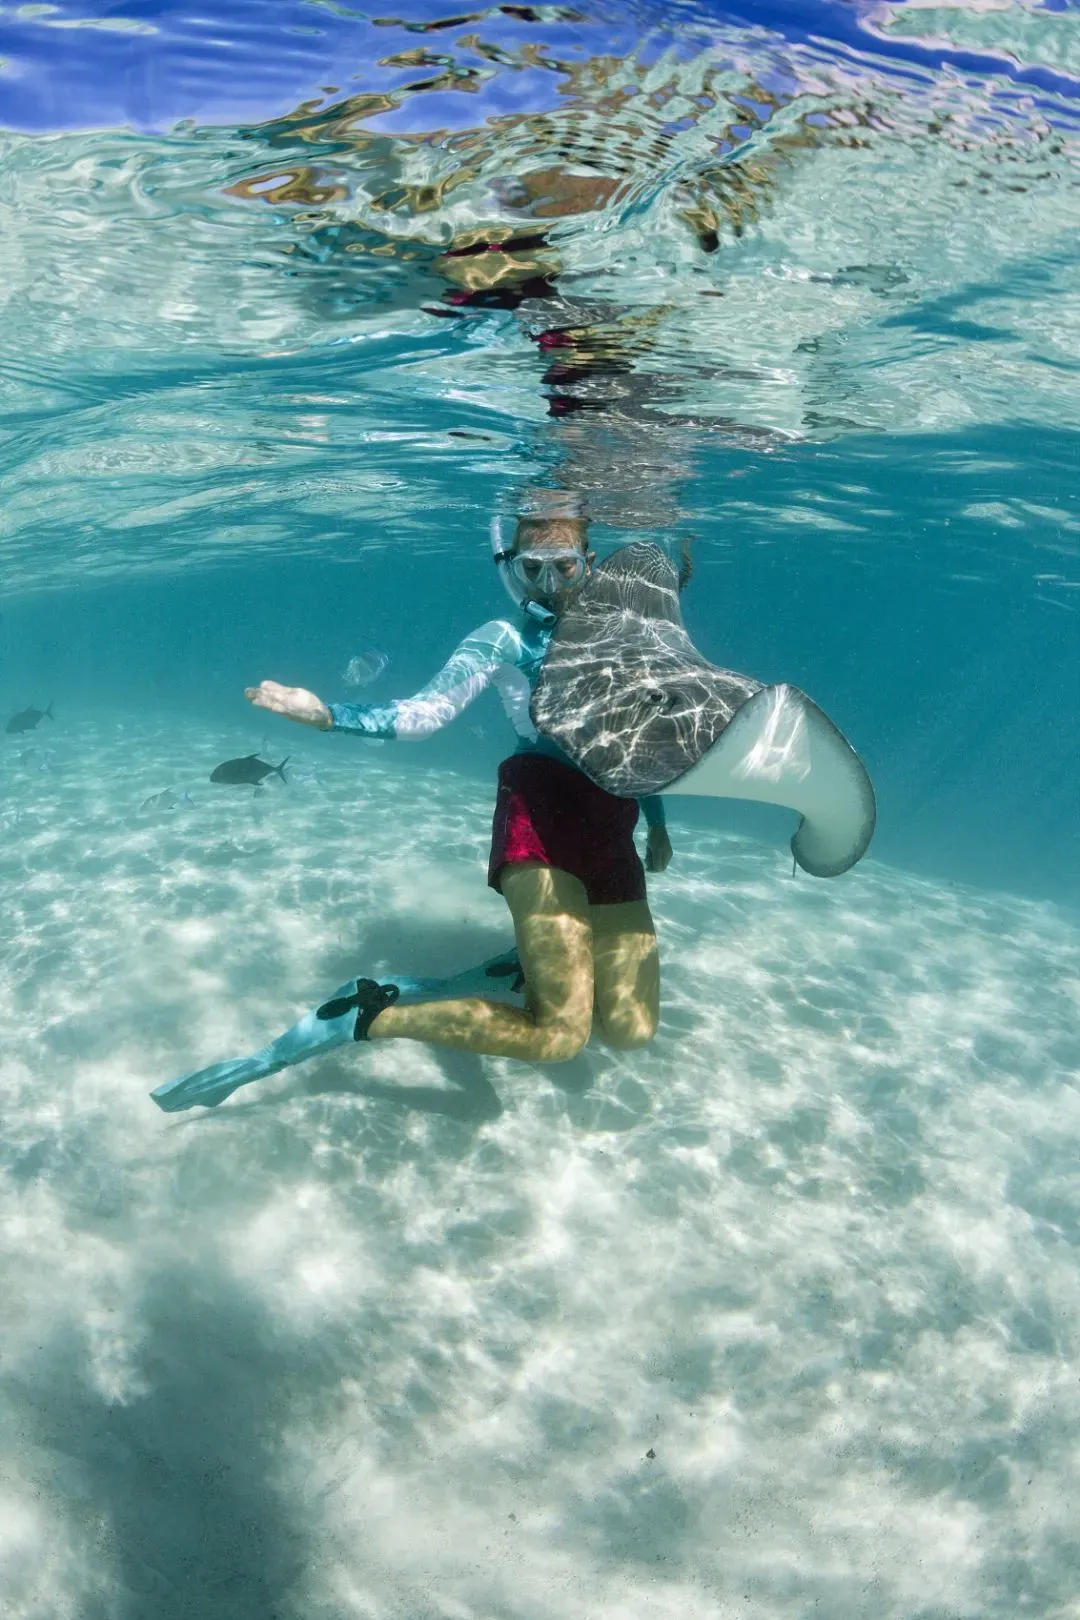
<point>148,65</point>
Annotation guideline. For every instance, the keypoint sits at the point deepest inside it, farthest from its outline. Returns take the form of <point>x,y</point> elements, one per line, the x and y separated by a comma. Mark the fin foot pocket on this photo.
<point>503,970</point>
<point>340,1004</point>
<point>372,999</point>
<point>369,998</point>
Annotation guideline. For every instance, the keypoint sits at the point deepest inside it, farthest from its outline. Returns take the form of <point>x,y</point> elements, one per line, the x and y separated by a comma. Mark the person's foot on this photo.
<point>370,999</point>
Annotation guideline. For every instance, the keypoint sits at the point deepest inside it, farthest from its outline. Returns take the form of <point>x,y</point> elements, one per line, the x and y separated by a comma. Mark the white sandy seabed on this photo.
<point>778,1318</point>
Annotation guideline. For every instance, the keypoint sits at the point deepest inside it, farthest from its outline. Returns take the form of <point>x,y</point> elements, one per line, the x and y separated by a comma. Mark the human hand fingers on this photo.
<point>658,851</point>
<point>294,702</point>
<point>268,695</point>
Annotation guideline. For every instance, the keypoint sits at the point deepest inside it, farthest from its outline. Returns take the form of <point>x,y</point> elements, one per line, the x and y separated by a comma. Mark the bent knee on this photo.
<point>562,1041</point>
<point>627,1034</point>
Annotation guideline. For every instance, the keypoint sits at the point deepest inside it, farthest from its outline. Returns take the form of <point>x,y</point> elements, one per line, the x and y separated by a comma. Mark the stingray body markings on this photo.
<point>628,697</point>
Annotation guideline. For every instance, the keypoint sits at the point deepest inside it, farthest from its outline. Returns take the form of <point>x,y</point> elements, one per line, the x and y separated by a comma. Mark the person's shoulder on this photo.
<point>500,635</point>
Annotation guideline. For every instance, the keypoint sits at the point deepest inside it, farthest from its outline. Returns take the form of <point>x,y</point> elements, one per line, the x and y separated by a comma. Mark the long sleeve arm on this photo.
<point>462,678</point>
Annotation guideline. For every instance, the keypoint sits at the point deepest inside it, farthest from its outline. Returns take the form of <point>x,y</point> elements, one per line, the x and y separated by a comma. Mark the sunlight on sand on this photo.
<point>780,1315</point>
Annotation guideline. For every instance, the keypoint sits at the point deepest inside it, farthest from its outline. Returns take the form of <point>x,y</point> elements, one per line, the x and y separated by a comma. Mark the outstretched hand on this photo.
<point>291,701</point>
<point>657,850</point>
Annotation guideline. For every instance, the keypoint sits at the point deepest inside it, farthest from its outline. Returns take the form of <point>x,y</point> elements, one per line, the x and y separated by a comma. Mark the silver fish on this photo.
<point>247,772</point>
<point>166,800</point>
<point>28,719</point>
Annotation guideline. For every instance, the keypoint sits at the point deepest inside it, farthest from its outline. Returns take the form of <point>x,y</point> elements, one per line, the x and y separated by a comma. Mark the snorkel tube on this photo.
<point>501,554</point>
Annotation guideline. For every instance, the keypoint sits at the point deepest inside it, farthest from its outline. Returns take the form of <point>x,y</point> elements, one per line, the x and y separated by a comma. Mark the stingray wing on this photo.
<point>628,697</point>
<point>780,748</point>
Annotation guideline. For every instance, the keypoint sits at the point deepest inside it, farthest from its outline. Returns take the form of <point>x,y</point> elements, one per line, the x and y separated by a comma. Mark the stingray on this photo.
<point>628,697</point>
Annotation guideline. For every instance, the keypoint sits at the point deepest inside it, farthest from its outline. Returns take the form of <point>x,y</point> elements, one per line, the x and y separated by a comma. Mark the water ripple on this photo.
<point>529,226</point>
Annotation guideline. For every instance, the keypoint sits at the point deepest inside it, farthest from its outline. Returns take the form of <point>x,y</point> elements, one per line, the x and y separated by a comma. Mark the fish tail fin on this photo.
<point>280,769</point>
<point>48,710</point>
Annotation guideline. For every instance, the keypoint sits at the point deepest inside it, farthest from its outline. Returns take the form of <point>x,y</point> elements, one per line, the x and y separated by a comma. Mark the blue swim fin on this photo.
<point>497,977</point>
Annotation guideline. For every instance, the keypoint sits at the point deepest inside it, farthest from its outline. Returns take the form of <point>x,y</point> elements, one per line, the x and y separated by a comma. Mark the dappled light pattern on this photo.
<point>635,706</point>
<point>779,1314</point>
<point>623,689</point>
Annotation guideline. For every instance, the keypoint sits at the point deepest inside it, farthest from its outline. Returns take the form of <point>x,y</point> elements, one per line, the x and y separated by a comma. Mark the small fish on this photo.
<point>247,772</point>
<point>365,667</point>
<point>28,719</point>
<point>36,759</point>
<point>167,800</point>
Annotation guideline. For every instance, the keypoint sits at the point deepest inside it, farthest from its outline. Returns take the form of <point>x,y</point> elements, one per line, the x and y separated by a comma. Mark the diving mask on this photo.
<point>547,570</point>
<point>535,573</point>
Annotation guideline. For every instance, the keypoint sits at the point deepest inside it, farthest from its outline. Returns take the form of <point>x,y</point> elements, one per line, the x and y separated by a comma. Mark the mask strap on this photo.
<point>501,557</point>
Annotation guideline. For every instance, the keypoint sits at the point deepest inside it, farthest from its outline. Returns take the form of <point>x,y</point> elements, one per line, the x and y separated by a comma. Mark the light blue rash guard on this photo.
<point>499,654</point>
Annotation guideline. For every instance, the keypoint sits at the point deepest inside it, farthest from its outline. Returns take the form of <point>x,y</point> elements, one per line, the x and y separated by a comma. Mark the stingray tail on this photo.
<point>332,1024</point>
<point>686,563</point>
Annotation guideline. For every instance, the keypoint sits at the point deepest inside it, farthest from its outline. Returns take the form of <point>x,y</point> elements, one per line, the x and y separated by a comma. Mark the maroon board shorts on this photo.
<point>549,812</point>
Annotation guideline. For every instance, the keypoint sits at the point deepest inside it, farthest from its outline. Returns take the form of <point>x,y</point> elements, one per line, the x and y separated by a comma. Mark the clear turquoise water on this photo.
<point>780,1316</point>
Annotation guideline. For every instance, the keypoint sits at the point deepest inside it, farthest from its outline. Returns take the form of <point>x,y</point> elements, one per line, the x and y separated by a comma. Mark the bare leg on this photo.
<point>626,965</point>
<point>554,939</point>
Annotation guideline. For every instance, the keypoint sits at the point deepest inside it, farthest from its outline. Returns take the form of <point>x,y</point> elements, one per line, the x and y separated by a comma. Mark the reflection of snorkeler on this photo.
<point>562,852</point>
<point>610,407</point>
<point>488,225</point>
<point>580,343</point>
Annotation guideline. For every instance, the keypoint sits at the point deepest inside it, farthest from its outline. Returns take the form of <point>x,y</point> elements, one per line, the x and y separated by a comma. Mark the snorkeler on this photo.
<point>562,853</point>
<point>613,705</point>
